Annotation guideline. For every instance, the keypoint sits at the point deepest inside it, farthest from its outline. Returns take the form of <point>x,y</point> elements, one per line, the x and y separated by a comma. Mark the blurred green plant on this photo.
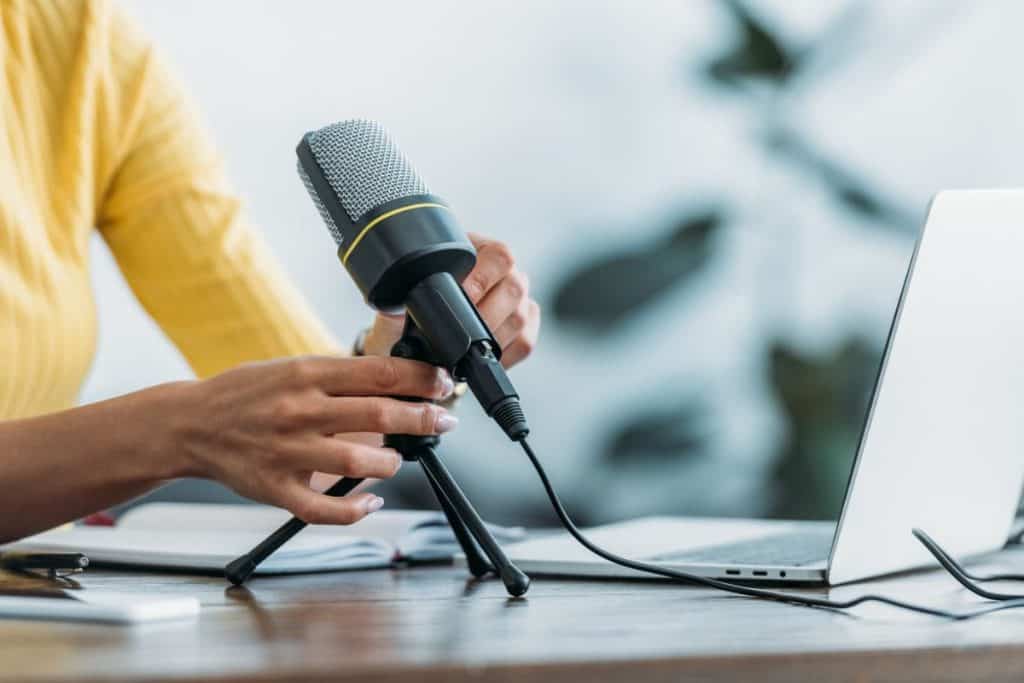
<point>676,431</point>
<point>848,190</point>
<point>822,397</point>
<point>756,52</point>
<point>602,294</point>
<point>825,401</point>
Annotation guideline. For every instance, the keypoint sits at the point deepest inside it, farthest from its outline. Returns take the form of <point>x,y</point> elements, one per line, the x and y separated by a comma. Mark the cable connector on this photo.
<point>487,379</point>
<point>509,416</point>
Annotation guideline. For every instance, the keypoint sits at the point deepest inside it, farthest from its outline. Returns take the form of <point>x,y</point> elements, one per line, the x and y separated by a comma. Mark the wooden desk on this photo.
<point>428,624</point>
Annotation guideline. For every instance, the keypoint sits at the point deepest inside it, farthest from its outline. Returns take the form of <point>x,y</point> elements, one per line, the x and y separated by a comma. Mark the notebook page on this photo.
<point>208,550</point>
<point>421,535</point>
<point>433,540</point>
<point>388,525</point>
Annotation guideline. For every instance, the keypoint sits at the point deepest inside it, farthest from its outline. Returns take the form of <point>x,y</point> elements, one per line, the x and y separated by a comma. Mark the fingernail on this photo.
<point>374,504</point>
<point>446,423</point>
<point>447,384</point>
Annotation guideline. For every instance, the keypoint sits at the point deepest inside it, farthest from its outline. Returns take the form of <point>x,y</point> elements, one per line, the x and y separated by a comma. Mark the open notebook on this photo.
<point>205,537</point>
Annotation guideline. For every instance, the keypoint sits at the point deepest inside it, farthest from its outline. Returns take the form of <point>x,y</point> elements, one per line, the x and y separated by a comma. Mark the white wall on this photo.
<point>566,128</point>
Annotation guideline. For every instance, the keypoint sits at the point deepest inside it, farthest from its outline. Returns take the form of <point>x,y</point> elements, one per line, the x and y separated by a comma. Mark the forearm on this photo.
<point>59,467</point>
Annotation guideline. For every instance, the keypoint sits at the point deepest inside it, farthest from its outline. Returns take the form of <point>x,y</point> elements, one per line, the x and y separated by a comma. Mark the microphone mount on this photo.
<point>461,343</point>
<point>483,554</point>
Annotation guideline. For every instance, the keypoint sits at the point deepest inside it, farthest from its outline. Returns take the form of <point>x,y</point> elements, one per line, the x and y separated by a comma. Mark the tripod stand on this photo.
<point>483,554</point>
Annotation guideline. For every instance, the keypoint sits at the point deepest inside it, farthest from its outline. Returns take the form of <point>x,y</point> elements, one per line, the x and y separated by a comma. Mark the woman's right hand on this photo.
<point>263,429</point>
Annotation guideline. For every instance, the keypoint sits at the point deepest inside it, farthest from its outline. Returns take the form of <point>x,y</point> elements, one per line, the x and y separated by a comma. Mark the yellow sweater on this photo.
<point>95,134</point>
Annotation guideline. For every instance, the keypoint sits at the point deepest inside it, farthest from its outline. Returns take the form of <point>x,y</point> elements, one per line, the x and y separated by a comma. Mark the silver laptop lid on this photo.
<point>943,445</point>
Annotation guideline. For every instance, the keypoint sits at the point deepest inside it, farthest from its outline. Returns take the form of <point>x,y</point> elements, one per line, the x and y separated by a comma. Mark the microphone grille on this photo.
<point>319,203</point>
<point>363,166</point>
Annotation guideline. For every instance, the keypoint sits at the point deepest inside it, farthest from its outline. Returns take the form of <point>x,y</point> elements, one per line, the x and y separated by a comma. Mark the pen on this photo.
<point>52,562</point>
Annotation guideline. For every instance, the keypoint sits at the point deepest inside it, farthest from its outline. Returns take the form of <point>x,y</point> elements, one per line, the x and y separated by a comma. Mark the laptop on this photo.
<point>942,446</point>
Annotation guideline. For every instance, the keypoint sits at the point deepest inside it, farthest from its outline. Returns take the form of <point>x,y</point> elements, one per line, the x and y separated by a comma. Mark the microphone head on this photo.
<point>390,231</point>
<point>363,167</point>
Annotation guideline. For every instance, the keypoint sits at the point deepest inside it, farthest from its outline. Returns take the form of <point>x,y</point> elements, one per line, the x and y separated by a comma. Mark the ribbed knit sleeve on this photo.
<point>177,229</point>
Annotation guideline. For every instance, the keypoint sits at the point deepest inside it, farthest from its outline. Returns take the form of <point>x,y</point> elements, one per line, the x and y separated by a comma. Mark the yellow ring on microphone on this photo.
<point>383,216</point>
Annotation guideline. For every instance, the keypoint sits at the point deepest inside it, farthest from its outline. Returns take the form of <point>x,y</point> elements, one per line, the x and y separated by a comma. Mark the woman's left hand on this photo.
<point>500,292</point>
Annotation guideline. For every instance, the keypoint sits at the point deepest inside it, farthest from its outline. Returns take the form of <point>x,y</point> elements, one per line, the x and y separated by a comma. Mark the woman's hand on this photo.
<point>263,429</point>
<point>501,293</point>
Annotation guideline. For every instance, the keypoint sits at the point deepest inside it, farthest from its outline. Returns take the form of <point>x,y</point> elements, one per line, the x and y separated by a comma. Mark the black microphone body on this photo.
<point>404,249</point>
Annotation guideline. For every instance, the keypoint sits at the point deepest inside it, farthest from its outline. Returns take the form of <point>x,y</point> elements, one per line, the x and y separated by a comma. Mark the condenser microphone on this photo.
<point>404,249</point>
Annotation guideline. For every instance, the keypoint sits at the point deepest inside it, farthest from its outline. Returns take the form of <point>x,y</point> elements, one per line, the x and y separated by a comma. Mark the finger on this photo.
<point>353,460</point>
<point>367,438</point>
<point>372,376</point>
<point>384,416</point>
<point>493,262</point>
<point>514,324</point>
<point>316,508</point>
<point>320,482</point>
<point>504,300</point>
<point>526,341</point>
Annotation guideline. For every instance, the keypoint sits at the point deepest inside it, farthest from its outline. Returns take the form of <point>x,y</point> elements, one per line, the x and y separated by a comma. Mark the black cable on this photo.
<point>749,591</point>
<point>965,578</point>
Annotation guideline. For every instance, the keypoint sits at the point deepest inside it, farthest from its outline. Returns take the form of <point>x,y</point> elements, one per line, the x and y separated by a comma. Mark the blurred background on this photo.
<point>716,202</point>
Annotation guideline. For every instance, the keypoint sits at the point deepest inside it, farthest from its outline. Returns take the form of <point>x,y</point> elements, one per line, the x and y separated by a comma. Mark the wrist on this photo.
<point>174,428</point>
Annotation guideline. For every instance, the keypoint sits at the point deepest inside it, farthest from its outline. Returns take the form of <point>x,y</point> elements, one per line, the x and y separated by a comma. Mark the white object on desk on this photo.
<point>101,606</point>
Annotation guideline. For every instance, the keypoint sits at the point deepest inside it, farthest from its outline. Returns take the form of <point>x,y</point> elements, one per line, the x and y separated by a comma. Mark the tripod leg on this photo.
<point>477,563</point>
<point>516,582</point>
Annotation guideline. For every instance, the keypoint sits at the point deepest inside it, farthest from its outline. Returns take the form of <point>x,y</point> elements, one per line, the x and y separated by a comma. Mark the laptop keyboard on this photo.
<point>791,549</point>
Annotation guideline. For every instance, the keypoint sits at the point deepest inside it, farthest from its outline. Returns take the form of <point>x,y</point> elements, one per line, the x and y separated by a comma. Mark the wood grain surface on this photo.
<point>431,624</point>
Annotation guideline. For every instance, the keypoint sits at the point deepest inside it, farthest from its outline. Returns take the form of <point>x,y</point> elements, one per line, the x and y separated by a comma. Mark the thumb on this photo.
<point>386,330</point>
